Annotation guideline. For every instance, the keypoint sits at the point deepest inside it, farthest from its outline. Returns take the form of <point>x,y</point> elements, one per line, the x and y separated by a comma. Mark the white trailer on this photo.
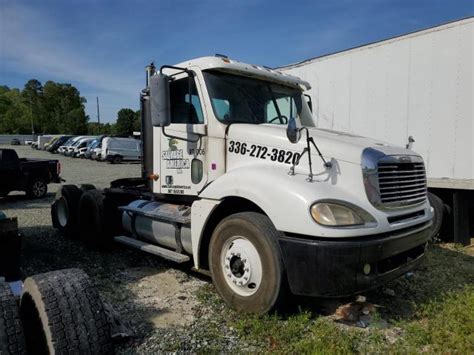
<point>418,85</point>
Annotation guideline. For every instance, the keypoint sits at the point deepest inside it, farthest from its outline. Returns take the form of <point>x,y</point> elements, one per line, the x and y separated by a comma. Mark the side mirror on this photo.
<point>160,100</point>
<point>292,131</point>
<point>309,102</point>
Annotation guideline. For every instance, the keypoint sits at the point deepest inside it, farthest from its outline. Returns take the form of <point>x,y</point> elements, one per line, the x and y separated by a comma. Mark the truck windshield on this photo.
<point>240,99</point>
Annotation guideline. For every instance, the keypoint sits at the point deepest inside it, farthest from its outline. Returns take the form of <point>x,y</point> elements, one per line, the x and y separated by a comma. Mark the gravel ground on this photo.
<point>157,298</point>
<point>170,308</point>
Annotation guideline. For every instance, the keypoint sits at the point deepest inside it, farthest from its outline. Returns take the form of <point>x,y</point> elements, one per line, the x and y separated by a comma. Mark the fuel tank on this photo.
<point>159,223</point>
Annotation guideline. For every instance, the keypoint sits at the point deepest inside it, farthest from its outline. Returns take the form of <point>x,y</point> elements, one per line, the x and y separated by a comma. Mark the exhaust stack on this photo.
<point>147,128</point>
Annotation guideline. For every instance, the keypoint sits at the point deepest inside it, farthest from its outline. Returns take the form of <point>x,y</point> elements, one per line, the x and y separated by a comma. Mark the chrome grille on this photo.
<point>402,183</point>
<point>393,180</point>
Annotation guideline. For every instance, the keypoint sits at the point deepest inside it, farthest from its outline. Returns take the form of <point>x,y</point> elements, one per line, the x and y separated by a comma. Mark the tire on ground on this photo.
<point>37,188</point>
<point>260,231</point>
<point>86,187</point>
<point>63,313</point>
<point>438,207</point>
<point>64,210</point>
<point>12,340</point>
<point>92,220</point>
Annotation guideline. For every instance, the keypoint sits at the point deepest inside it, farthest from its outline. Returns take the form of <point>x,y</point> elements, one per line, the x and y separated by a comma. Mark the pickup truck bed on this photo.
<point>29,175</point>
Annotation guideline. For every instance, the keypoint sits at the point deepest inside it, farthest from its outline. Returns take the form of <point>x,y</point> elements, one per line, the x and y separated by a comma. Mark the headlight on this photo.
<point>332,214</point>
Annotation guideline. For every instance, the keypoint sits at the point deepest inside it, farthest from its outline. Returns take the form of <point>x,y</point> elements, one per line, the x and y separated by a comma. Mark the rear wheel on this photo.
<point>63,313</point>
<point>64,211</point>
<point>246,263</point>
<point>117,159</point>
<point>92,220</point>
<point>12,340</point>
<point>37,188</point>
<point>438,207</point>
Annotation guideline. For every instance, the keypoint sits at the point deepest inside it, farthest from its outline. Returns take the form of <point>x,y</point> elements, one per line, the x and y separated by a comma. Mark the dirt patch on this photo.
<point>172,296</point>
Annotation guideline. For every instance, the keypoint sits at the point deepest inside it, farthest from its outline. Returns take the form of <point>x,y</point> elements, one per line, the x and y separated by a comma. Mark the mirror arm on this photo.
<point>175,68</point>
<point>181,138</point>
<point>307,149</point>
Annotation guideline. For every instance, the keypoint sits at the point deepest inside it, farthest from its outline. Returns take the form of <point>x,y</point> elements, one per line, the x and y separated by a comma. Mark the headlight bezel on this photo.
<point>366,219</point>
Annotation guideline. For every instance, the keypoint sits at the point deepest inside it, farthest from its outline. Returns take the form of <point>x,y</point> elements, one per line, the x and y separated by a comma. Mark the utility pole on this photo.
<point>98,113</point>
<point>32,125</point>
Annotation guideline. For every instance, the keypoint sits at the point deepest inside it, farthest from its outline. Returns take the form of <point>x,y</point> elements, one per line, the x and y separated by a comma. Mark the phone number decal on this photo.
<point>262,152</point>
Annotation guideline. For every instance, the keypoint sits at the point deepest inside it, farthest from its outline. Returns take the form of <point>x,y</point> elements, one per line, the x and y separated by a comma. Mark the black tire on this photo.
<point>439,208</point>
<point>37,188</point>
<point>12,340</point>
<point>92,220</point>
<point>260,232</point>
<point>64,210</point>
<point>4,193</point>
<point>62,313</point>
<point>86,187</point>
<point>117,159</point>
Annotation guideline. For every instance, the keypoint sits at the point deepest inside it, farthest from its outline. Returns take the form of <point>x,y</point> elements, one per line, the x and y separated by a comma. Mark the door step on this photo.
<point>153,249</point>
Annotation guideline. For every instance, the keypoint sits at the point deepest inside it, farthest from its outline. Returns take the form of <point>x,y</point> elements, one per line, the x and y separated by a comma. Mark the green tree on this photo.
<point>137,124</point>
<point>54,108</point>
<point>125,122</point>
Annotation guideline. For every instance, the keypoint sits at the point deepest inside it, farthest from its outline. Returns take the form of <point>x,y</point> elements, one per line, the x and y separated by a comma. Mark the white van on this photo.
<point>116,150</point>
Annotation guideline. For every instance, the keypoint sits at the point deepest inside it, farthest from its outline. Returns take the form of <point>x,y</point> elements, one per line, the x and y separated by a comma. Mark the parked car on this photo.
<point>15,141</point>
<point>115,150</point>
<point>42,141</point>
<point>65,147</point>
<point>90,147</point>
<point>81,146</point>
<point>31,176</point>
<point>28,142</point>
<point>53,148</point>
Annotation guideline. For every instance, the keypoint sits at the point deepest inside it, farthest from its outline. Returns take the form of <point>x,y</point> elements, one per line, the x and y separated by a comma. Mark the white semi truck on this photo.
<point>237,180</point>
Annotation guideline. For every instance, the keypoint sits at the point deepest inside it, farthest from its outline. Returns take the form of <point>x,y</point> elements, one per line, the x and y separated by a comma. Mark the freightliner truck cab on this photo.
<point>237,179</point>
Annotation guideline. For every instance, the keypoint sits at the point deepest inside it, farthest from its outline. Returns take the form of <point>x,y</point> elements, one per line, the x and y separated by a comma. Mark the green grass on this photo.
<point>433,311</point>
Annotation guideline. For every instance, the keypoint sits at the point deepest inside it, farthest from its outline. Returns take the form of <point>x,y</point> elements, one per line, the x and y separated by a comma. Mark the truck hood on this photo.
<point>332,144</point>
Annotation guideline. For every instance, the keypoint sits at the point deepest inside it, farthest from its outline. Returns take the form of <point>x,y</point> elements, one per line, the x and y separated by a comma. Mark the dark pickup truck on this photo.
<point>29,175</point>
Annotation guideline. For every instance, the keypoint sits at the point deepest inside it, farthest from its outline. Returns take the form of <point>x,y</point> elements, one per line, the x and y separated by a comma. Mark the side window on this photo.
<point>222,108</point>
<point>287,108</point>
<point>185,108</point>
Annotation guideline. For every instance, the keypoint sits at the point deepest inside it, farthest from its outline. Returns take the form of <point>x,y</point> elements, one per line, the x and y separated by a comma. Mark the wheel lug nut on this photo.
<point>234,281</point>
<point>238,255</point>
<point>229,275</point>
<point>247,269</point>
<point>246,278</point>
<point>227,266</point>
<point>244,260</point>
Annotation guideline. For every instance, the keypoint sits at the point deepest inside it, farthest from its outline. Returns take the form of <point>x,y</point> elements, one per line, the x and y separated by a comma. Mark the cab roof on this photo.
<point>251,70</point>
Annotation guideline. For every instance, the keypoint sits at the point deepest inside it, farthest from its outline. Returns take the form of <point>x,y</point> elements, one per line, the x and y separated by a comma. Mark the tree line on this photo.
<point>55,108</point>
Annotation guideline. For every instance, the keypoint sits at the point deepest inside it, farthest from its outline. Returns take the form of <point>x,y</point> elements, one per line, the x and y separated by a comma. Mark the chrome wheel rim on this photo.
<point>39,188</point>
<point>241,265</point>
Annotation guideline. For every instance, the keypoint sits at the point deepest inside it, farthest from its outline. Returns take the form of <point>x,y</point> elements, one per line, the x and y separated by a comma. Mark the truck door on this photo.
<point>10,174</point>
<point>183,162</point>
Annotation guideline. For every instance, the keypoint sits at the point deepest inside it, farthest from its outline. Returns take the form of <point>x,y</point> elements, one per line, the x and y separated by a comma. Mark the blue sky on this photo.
<point>102,47</point>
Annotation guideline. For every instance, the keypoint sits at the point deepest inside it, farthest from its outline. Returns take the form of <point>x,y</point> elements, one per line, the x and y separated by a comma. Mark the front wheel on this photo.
<point>246,263</point>
<point>37,188</point>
